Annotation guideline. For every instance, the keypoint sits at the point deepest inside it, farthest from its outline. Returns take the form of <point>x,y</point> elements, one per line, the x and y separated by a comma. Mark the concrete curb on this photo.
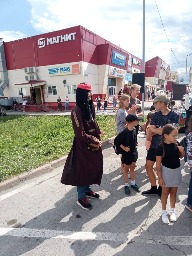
<point>49,167</point>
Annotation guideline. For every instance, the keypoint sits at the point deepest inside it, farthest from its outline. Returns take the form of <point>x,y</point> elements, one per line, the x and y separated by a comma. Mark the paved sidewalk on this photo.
<point>109,111</point>
<point>40,217</point>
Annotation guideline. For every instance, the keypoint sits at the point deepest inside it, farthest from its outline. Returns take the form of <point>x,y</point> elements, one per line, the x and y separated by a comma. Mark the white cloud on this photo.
<point>11,35</point>
<point>120,22</point>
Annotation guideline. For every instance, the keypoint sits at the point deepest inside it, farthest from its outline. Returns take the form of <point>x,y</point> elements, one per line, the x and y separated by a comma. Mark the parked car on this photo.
<point>2,111</point>
<point>160,92</point>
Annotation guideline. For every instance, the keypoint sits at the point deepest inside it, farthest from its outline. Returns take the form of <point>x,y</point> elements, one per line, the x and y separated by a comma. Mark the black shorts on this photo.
<point>129,158</point>
<point>151,154</point>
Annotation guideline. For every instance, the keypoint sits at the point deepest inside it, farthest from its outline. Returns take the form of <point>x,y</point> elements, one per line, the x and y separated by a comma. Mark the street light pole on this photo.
<point>143,58</point>
<point>186,65</point>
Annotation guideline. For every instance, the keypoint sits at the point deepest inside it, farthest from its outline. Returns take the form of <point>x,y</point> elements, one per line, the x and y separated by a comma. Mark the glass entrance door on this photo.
<point>111,90</point>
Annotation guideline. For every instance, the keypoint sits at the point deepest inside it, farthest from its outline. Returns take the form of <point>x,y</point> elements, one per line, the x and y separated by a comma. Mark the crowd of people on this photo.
<point>84,164</point>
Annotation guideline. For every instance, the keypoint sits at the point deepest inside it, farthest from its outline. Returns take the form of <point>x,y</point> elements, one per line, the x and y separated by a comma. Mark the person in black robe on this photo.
<point>84,164</point>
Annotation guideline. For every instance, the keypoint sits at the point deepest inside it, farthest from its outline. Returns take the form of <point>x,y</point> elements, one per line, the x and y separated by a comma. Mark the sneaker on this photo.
<point>84,203</point>
<point>165,218</point>
<point>152,191</point>
<point>173,217</point>
<point>92,194</point>
<point>189,208</point>
<point>135,187</point>
<point>127,190</point>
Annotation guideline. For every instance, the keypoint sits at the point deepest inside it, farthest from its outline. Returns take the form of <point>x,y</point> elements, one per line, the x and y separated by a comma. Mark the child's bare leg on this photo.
<point>173,194</point>
<point>132,171</point>
<point>125,172</point>
<point>164,196</point>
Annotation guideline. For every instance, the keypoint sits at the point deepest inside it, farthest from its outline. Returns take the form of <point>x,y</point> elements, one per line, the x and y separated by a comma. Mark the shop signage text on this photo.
<point>42,42</point>
<point>116,72</point>
<point>66,70</point>
<point>118,58</point>
<point>136,62</point>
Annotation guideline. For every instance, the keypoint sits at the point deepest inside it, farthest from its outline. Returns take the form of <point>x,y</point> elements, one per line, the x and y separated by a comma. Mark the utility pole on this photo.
<point>143,58</point>
<point>186,66</point>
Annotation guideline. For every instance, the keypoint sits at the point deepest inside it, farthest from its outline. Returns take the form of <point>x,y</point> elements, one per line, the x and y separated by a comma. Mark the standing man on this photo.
<point>59,104</point>
<point>84,164</point>
<point>161,117</point>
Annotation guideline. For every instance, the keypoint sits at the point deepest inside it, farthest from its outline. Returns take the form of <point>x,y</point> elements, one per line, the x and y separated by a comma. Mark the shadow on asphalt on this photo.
<point>114,212</point>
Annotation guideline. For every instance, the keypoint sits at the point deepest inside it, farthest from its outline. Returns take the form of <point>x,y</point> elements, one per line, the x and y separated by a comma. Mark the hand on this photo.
<point>127,149</point>
<point>134,107</point>
<point>161,182</point>
<point>102,133</point>
<point>181,149</point>
<point>151,129</point>
<point>131,111</point>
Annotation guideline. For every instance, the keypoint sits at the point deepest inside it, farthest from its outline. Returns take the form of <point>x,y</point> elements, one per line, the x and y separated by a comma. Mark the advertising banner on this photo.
<point>116,72</point>
<point>118,59</point>
<point>64,70</point>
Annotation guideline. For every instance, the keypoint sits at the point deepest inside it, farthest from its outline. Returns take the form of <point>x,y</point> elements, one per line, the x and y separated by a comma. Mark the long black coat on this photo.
<point>84,164</point>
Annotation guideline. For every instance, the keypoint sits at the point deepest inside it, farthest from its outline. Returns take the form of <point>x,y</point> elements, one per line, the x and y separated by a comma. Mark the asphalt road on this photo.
<point>40,217</point>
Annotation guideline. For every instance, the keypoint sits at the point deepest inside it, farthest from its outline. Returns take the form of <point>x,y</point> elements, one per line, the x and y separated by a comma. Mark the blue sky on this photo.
<point>15,15</point>
<point>117,21</point>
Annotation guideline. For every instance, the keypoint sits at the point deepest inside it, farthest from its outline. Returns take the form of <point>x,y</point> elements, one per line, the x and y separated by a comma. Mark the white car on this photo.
<point>159,92</point>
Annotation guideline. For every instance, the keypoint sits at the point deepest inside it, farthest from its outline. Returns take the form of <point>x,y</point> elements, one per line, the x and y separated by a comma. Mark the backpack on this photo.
<point>118,150</point>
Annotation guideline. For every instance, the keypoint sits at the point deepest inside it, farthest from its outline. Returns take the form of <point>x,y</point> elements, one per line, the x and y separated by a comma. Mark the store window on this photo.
<point>111,81</point>
<point>68,89</point>
<point>52,90</point>
<point>74,88</point>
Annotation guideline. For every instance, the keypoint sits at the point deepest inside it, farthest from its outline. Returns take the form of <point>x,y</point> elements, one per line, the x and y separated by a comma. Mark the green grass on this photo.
<point>27,142</point>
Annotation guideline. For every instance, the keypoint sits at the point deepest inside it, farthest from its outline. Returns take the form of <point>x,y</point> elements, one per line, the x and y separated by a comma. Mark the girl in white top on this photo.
<point>121,115</point>
<point>122,112</point>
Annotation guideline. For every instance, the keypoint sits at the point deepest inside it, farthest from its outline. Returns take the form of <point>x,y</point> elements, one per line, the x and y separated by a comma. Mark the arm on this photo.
<point>181,151</point>
<point>158,167</point>
<point>127,149</point>
<point>155,130</point>
<point>80,133</point>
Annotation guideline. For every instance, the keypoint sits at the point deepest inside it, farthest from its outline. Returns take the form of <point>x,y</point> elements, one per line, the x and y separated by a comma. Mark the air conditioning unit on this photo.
<point>32,70</point>
<point>27,78</point>
<point>31,77</point>
<point>34,77</point>
<point>26,70</point>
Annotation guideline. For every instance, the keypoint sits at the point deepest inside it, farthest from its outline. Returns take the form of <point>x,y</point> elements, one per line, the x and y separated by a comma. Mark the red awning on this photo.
<point>32,83</point>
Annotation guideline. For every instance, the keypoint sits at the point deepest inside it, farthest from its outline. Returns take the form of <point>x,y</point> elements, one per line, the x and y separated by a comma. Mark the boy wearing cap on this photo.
<point>161,117</point>
<point>127,141</point>
<point>84,164</point>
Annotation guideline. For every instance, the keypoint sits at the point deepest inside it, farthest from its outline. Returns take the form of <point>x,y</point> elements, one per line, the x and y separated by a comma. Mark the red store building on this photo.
<point>52,64</point>
<point>157,72</point>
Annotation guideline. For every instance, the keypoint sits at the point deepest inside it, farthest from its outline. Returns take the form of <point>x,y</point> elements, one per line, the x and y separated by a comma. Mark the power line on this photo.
<point>166,34</point>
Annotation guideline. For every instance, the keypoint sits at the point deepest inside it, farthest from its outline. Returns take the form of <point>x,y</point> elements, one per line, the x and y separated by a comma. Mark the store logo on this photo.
<point>42,42</point>
<point>136,62</point>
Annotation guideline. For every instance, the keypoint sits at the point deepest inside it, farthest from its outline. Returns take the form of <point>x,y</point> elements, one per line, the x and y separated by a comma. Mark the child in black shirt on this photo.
<point>168,156</point>
<point>127,141</point>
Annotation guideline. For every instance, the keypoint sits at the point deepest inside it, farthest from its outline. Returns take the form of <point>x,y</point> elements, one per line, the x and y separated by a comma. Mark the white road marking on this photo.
<point>15,191</point>
<point>97,236</point>
<point>60,234</point>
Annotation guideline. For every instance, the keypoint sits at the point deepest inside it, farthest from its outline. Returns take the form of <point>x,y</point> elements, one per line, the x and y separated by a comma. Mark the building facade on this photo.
<point>157,72</point>
<point>52,64</point>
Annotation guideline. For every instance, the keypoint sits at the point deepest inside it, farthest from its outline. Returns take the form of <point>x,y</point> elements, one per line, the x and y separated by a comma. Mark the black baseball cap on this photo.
<point>131,118</point>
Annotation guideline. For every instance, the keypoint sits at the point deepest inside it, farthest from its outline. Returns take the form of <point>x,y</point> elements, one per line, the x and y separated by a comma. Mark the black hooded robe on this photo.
<point>84,164</point>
